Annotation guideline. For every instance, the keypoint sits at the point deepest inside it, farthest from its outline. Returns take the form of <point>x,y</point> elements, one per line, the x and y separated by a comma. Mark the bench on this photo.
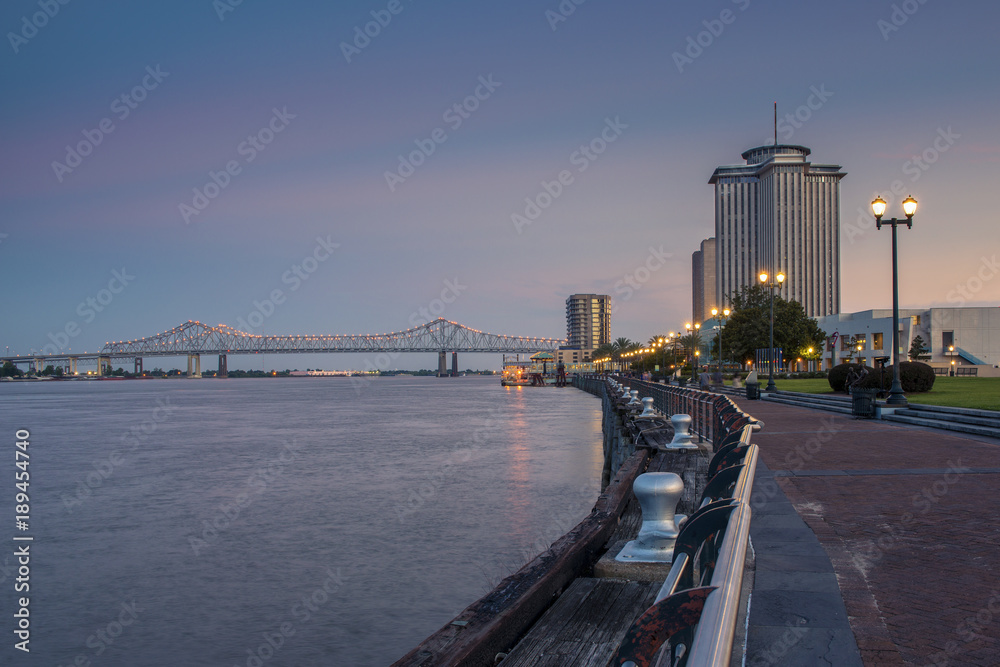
<point>968,371</point>
<point>940,370</point>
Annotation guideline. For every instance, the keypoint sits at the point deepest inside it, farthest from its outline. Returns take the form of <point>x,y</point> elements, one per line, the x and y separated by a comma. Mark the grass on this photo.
<point>974,392</point>
<point>810,386</point>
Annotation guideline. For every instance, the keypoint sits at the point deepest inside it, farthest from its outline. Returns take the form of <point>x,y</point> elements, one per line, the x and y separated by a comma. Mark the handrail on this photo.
<point>714,622</point>
<point>674,400</point>
<point>713,541</point>
<point>713,641</point>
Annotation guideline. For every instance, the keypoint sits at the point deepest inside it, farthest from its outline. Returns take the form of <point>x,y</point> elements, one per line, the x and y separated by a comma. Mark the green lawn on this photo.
<point>981,393</point>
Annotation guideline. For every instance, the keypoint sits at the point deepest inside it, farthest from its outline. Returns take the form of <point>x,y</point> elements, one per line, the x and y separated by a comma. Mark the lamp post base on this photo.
<point>896,395</point>
<point>896,399</point>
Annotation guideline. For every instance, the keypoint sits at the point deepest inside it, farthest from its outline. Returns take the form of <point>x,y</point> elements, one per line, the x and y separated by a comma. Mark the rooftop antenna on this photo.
<point>775,123</point>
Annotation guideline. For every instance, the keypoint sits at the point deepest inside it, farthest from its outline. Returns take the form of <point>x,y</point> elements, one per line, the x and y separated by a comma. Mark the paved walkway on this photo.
<point>910,521</point>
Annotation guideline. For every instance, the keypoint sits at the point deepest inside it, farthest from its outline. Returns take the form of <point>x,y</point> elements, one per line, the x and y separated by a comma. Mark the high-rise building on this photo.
<point>703,281</point>
<point>588,321</point>
<point>779,213</point>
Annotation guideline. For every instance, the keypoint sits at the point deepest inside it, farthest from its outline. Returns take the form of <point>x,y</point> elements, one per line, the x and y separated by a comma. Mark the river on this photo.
<point>298,521</point>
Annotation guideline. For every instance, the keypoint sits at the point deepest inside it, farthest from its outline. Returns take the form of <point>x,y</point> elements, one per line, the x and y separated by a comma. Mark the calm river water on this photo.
<point>301,521</point>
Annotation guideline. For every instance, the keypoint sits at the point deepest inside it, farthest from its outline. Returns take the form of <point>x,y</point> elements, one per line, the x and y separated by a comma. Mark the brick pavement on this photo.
<point>909,520</point>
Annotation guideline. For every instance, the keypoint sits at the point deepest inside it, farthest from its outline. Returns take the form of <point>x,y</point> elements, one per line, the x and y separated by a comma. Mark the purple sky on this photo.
<point>882,94</point>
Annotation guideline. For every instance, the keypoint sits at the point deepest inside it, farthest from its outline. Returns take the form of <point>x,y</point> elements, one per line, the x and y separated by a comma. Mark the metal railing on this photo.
<point>697,608</point>
<point>707,409</point>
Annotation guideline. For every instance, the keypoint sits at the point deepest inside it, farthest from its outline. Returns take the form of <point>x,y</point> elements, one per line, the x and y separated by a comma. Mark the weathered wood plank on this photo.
<point>585,626</point>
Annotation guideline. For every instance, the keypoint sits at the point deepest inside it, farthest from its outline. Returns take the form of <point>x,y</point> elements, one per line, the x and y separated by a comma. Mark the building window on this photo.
<point>877,341</point>
<point>947,339</point>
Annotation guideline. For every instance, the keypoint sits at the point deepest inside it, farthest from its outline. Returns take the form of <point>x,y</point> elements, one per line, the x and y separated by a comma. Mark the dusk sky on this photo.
<point>120,120</point>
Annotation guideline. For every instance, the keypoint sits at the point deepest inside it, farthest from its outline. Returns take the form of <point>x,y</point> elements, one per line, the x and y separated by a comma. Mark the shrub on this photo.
<point>915,376</point>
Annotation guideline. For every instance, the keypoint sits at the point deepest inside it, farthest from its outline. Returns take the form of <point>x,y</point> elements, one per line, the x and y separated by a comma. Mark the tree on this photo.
<point>691,342</point>
<point>748,328</point>
<point>603,352</point>
<point>10,370</point>
<point>918,350</point>
<point>622,345</point>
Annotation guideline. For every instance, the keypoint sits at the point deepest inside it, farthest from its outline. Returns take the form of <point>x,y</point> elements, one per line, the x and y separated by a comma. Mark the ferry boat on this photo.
<point>516,374</point>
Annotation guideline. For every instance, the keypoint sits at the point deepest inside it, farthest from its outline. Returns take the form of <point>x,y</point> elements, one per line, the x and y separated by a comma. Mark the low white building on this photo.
<point>954,337</point>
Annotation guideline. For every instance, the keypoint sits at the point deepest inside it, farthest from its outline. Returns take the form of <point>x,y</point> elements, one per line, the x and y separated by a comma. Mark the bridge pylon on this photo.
<point>194,361</point>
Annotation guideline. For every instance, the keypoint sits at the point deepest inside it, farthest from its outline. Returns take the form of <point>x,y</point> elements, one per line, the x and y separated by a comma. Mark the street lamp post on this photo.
<point>694,352</point>
<point>718,333</point>
<point>771,284</point>
<point>896,395</point>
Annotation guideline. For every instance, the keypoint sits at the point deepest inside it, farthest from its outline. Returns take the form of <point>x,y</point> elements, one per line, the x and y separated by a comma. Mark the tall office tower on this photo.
<point>779,213</point>
<point>588,321</point>
<point>703,281</point>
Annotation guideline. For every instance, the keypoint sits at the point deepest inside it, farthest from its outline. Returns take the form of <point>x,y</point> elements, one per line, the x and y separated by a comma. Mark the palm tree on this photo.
<point>621,346</point>
<point>605,351</point>
<point>691,342</point>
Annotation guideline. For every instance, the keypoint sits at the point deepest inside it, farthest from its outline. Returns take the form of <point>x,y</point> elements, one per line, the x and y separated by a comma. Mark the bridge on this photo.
<point>193,339</point>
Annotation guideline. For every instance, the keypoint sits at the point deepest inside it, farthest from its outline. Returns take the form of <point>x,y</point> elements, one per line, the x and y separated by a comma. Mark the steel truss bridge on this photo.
<point>193,339</point>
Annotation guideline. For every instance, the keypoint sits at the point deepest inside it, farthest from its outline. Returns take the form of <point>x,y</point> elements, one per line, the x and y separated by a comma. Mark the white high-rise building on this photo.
<point>779,213</point>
